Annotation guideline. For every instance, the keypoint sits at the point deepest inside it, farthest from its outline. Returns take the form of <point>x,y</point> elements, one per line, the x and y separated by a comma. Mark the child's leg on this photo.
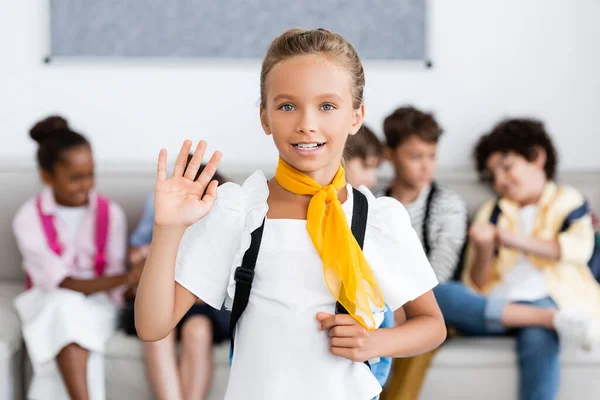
<point>161,363</point>
<point>72,363</point>
<point>474,314</point>
<point>538,350</point>
<point>196,356</point>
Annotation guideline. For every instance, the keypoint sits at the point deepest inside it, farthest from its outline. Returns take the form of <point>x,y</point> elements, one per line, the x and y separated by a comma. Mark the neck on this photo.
<point>404,192</point>
<point>323,176</point>
<point>534,198</point>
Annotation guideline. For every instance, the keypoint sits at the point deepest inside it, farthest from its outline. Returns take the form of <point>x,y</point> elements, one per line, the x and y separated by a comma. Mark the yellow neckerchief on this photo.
<point>347,273</point>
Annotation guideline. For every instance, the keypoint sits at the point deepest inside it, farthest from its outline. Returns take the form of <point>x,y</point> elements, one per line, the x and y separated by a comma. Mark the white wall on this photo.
<point>491,59</point>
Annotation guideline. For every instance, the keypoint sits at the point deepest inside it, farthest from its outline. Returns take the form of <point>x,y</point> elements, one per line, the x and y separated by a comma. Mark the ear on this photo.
<point>539,157</point>
<point>388,153</point>
<point>46,177</point>
<point>264,121</point>
<point>358,117</point>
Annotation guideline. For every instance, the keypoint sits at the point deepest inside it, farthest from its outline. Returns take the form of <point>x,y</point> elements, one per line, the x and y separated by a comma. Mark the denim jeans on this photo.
<point>475,315</point>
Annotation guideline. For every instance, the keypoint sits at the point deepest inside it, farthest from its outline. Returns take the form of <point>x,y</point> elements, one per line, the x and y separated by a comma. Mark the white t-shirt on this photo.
<point>524,282</point>
<point>72,217</point>
<point>279,351</point>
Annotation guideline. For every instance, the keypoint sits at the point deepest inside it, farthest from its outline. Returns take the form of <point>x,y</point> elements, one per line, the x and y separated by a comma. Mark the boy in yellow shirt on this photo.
<point>523,273</point>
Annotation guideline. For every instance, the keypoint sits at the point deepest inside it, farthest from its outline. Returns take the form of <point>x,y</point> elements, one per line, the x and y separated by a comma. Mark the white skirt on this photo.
<point>52,320</point>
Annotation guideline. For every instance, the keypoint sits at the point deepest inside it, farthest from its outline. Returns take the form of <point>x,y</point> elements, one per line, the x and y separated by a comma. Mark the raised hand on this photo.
<point>180,201</point>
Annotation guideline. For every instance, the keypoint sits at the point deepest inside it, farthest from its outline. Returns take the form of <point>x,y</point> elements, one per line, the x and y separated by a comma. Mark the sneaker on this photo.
<point>577,329</point>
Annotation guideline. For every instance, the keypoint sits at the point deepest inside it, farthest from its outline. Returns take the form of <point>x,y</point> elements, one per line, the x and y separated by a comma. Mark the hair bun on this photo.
<point>48,128</point>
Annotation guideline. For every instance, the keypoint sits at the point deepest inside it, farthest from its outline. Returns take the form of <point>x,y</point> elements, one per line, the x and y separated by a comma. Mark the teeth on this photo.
<point>307,146</point>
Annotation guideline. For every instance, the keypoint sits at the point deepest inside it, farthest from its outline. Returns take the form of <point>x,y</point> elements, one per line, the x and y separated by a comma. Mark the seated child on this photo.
<point>73,245</point>
<point>524,275</point>
<point>438,215</point>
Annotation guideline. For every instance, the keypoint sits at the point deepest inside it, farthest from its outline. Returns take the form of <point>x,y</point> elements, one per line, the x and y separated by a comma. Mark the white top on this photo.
<point>279,351</point>
<point>524,282</point>
<point>72,217</point>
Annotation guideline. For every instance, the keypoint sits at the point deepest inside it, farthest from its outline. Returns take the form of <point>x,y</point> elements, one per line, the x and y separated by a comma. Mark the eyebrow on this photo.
<point>281,97</point>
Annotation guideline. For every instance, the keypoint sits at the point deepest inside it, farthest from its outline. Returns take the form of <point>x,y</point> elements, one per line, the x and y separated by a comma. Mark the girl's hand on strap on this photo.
<point>348,338</point>
<point>180,201</point>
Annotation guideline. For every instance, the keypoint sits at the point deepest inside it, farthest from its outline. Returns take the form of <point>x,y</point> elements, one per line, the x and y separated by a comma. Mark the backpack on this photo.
<point>579,212</point>
<point>244,276</point>
<point>101,234</point>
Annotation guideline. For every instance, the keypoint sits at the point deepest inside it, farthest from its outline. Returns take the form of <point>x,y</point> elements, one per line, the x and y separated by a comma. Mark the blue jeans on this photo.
<point>476,315</point>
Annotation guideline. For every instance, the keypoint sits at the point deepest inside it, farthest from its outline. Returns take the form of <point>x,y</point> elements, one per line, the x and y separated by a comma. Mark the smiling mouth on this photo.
<point>308,146</point>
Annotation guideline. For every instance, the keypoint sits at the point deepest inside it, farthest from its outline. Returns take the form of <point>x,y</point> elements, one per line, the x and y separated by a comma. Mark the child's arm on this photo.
<point>100,284</point>
<point>549,249</point>
<point>48,270</point>
<point>482,236</point>
<point>423,331</point>
<point>575,245</point>
<point>179,202</point>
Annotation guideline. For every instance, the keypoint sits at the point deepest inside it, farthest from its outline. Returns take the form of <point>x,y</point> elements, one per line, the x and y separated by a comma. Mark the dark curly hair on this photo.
<point>363,145</point>
<point>54,137</point>
<point>408,121</point>
<point>520,136</point>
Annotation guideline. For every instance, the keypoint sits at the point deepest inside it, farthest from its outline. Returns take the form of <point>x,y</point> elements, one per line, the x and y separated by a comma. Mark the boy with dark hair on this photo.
<point>525,271</point>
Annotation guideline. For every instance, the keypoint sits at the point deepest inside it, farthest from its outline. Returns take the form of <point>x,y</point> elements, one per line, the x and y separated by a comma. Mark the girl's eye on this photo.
<point>287,107</point>
<point>327,107</point>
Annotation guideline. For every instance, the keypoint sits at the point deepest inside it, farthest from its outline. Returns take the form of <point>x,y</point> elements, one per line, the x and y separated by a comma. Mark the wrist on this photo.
<point>162,231</point>
<point>381,342</point>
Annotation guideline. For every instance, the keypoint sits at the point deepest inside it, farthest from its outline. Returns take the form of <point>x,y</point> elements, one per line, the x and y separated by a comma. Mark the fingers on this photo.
<point>161,173</point>
<point>182,158</point>
<point>347,343</point>
<point>347,331</point>
<point>209,171</point>
<point>196,161</point>
<point>351,354</point>
<point>321,316</point>
<point>337,320</point>
<point>211,194</point>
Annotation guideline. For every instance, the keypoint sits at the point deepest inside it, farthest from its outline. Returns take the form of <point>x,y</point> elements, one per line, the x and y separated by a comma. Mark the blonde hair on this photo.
<point>299,42</point>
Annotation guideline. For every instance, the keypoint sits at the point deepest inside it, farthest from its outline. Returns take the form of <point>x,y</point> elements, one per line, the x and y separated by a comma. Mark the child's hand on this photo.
<point>138,254</point>
<point>133,277</point>
<point>347,338</point>
<point>483,235</point>
<point>179,200</point>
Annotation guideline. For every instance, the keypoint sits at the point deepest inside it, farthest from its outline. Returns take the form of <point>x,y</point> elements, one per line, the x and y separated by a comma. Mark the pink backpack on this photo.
<point>101,234</point>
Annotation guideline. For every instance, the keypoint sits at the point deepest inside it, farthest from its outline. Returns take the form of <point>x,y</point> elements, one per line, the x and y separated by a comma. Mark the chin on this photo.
<point>304,164</point>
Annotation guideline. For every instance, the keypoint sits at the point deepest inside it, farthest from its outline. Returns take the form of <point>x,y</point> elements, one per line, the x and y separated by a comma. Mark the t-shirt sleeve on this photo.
<point>399,261</point>
<point>208,248</point>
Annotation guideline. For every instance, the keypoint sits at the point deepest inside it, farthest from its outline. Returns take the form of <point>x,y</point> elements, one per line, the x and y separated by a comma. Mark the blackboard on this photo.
<point>240,29</point>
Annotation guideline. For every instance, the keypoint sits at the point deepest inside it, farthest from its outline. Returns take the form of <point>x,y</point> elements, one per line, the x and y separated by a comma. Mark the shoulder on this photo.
<point>237,208</point>
<point>485,211</point>
<point>386,214</point>
<point>570,195</point>
<point>26,213</point>
<point>448,198</point>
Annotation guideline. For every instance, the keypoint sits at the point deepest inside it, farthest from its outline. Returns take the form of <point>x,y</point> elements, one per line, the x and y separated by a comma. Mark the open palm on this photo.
<point>180,201</point>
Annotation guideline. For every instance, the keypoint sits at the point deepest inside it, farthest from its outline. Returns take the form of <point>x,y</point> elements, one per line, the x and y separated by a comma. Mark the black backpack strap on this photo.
<point>574,215</point>
<point>244,276</point>
<point>496,211</point>
<point>360,212</point>
<point>426,241</point>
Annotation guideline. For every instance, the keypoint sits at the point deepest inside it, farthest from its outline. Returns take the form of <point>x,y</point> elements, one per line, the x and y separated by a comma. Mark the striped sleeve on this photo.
<point>448,227</point>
